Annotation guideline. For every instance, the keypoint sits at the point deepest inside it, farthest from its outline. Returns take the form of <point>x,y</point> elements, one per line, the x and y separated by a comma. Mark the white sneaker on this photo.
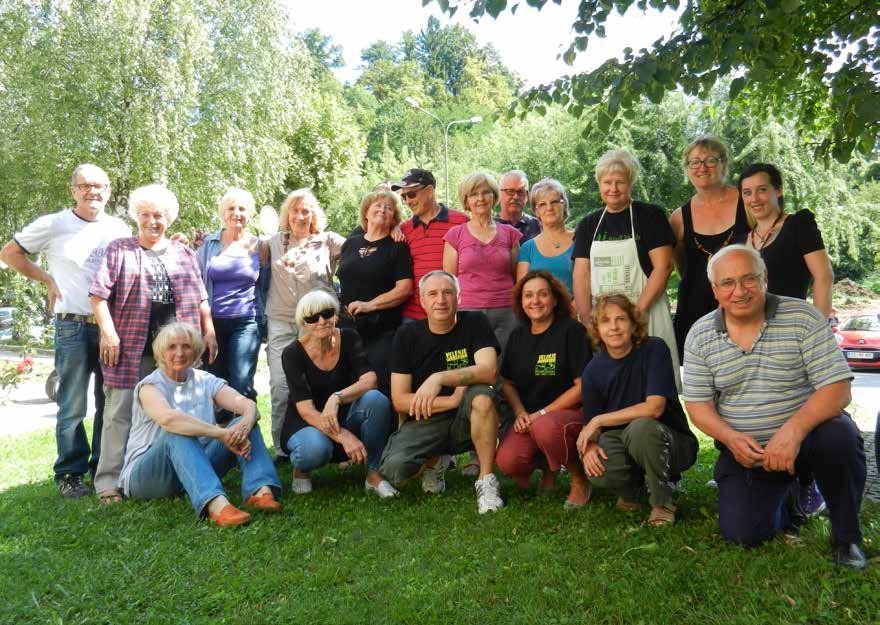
<point>434,478</point>
<point>301,486</point>
<point>488,499</point>
<point>384,490</point>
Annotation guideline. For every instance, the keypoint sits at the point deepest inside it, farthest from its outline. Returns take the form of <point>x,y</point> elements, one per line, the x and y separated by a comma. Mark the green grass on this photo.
<point>339,556</point>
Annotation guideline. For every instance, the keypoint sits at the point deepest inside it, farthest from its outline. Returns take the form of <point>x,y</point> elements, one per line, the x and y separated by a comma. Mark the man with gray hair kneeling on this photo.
<point>764,377</point>
<point>441,371</point>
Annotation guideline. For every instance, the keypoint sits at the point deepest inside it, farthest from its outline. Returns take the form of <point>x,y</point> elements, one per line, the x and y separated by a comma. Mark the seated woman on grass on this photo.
<point>175,443</point>
<point>635,430</point>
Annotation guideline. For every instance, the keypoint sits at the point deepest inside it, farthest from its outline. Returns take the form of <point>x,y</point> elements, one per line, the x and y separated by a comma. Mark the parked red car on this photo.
<point>859,338</point>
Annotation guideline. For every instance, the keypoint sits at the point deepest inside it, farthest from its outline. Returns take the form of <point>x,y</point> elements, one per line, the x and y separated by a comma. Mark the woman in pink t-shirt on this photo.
<point>483,254</point>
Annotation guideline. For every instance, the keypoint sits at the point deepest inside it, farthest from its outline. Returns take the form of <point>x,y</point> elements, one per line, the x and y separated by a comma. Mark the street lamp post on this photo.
<point>476,119</point>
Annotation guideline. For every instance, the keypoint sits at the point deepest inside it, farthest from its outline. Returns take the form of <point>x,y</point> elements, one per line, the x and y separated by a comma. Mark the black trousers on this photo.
<point>750,501</point>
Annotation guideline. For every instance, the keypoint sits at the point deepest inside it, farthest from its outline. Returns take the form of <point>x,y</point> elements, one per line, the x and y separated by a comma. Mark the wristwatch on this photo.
<point>339,396</point>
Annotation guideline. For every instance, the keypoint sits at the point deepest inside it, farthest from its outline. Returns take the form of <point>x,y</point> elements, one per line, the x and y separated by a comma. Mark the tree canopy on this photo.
<point>813,60</point>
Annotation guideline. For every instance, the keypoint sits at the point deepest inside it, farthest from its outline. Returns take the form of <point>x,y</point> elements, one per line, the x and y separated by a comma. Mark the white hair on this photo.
<point>517,173</point>
<point>156,195</point>
<point>84,167</point>
<point>236,197</point>
<point>439,272</point>
<point>755,256</point>
<point>314,302</point>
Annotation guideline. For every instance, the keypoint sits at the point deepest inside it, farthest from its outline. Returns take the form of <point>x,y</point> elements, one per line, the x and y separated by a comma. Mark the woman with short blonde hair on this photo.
<point>303,257</point>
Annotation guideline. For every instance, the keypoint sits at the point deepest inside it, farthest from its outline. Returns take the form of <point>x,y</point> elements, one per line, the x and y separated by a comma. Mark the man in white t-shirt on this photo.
<point>73,241</point>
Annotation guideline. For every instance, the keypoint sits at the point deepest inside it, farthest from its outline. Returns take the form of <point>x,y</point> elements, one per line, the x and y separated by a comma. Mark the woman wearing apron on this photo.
<point>626,248</point>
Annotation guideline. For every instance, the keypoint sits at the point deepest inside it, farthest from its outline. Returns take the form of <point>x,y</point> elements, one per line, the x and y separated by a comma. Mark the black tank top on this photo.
<point>695,297</point>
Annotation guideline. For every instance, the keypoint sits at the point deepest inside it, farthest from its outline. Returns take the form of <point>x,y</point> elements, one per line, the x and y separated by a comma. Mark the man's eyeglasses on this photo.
<point>327,313</point>
<point>515,192</point>
<point>408,195</point>
<point>748,281</point>
<point>86,187</point>
<point>710,163</point>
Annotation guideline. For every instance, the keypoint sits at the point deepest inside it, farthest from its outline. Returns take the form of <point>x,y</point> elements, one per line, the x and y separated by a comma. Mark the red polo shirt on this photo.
<point>426,243</point>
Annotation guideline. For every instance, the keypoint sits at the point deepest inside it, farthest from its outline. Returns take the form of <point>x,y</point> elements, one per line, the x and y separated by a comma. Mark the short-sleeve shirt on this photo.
<point>74,248</point>
<point>425,241</point>
<point>543,366</point>
<point>559,265</point>
<point>194,396</point>
<point>306,381</point>
<point>299,267</point>
<point>651,227</point>
<point>368,269</point>
<point>125,281</point>
<point>484,269</point>
<point>611,384</point>
<point>420,353</point>
<point>529,227</point>
<point>787,271</point>
<point>757,391</point>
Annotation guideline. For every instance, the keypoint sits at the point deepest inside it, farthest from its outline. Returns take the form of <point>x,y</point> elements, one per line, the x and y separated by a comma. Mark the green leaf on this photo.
<point>736,86</point>
<point>569,56</point>
<point>495,7</point>
<point>790,6</point>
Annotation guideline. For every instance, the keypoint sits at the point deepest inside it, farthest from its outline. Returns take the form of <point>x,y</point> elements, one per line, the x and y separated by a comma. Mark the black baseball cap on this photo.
<point>415,177</point>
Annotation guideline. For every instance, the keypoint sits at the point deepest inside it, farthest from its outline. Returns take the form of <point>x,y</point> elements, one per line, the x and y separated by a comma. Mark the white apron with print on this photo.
<point>615,268</point>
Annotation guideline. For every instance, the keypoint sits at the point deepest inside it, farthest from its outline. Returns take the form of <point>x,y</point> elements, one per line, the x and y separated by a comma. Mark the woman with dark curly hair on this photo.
<point>635,431</point>
<point>541,371</point>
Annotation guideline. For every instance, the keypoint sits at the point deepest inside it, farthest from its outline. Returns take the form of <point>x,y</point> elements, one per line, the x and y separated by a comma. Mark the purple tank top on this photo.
<point>234,285</point>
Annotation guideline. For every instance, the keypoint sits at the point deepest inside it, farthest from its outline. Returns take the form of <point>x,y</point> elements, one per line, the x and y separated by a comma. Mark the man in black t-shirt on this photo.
<point>441,369</point>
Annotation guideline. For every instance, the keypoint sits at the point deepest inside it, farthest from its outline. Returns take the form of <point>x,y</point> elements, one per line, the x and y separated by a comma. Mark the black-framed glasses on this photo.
<point>86,187</point>
<point>327,313</point>
<point>696,163</point>
<point>515,192</point>
<point>748,281</point>
<point>408,195</point>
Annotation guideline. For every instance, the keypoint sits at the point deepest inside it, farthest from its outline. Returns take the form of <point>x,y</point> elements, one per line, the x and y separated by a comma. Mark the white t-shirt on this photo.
<point>74,248</point>
<point>194,396</point>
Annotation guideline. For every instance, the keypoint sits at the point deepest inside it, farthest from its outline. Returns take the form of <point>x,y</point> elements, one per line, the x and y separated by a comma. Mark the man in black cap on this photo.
<point>424,231</point>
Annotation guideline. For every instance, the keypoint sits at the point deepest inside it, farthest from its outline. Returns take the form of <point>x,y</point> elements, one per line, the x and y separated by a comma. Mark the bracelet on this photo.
<point>339,396</point>
<point>542,412</point>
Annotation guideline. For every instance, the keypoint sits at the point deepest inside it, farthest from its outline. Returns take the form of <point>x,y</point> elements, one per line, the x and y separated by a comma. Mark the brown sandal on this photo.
<point>626,506</point>
<point>661,516</point>
<point>109,497</point>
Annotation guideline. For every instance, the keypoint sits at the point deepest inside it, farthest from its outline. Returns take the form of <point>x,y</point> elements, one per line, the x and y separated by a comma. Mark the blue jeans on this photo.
<point>238,341</point>
<point>369,418</point>
<point>76,358</point>
<point>175,463</point>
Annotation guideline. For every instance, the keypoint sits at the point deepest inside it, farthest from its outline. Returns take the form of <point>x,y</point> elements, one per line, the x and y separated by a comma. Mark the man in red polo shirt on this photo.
<point>424,231</point>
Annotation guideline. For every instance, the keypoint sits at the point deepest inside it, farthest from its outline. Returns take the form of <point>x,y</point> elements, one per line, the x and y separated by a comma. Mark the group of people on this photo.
<point>528,345</point>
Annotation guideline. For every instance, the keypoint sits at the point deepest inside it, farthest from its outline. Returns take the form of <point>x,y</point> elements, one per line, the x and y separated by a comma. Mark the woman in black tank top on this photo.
<point>706,165</point>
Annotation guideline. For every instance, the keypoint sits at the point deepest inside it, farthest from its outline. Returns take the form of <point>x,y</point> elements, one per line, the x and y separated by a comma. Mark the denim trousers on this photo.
<point>76,358</point>
<point>370,418</point>
<point>176,463</point>
<point>238,342</point>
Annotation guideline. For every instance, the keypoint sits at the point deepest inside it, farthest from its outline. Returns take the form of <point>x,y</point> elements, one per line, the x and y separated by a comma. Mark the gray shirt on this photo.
<point>194,396</point>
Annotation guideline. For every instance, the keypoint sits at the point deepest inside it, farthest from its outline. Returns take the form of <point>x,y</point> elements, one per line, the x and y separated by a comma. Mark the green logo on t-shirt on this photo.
<point>457,359</point>
<point>546,365</point>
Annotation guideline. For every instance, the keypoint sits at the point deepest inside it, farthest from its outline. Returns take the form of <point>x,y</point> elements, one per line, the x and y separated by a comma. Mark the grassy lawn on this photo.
<point>338,556</point>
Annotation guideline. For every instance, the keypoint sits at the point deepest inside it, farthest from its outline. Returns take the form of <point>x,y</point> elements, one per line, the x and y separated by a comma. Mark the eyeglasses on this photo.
<point>327,313</point>
<point>551,204</point>
<point>710,163</point>
<point>408,195</point>
<point>85,187</point>
<point>748,281</point>
<point>515,192</point>
<point>473,195</point>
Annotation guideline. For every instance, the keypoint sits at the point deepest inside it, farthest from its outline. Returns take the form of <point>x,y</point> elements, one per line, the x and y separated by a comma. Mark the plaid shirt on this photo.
<point>125,281</point>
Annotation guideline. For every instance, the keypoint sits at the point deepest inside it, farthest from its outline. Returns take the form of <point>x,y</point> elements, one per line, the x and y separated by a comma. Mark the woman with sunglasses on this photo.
<point>712,218</point>
<point>335,413</point>
<point>303,257</point>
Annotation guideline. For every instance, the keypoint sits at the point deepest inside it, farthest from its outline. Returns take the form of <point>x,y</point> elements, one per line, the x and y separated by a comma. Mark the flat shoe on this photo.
<point>384,490</point>
<point>108,498</point>
<point>229,516</point>
<point>661,516</point>
<point>265,502</point>
<point>301,486</point>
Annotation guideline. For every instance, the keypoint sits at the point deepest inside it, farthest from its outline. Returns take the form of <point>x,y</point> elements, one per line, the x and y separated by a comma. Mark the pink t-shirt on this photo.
<point>484,269</point>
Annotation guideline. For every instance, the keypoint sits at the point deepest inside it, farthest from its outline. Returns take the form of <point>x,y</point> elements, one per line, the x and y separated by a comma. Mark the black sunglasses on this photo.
<point>327,313</point>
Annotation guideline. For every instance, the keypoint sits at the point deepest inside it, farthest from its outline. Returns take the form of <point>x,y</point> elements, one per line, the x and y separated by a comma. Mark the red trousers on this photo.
<point>552,437</point>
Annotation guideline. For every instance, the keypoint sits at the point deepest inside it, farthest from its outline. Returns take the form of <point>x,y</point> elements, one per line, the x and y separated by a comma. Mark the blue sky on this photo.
<point>528,41</point>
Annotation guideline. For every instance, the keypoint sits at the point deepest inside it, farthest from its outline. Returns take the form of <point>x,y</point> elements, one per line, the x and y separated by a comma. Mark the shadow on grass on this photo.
<point>340,555</point>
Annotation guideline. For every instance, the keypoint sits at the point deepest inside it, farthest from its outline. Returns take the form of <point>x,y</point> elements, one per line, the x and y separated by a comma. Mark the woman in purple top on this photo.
<point>483,254</point>
<point>230,261</point>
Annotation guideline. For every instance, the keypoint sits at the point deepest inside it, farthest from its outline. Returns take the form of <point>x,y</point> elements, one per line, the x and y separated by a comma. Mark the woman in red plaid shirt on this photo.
<point>143,283</point>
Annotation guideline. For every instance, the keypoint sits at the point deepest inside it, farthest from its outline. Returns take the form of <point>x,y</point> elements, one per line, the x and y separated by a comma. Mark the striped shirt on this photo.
<point>426,243</point>
<point>757,391</point>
